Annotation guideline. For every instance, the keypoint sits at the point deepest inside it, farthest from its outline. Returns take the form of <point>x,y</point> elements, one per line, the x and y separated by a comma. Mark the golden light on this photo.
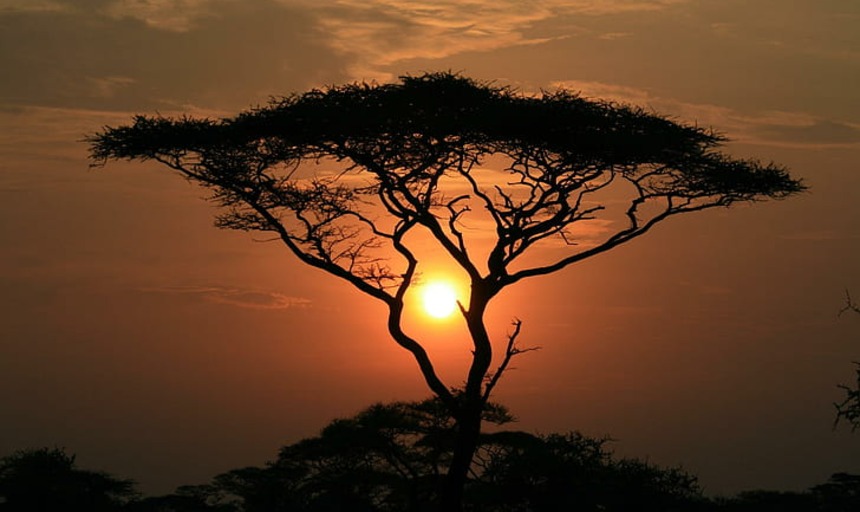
<point>439,299</point>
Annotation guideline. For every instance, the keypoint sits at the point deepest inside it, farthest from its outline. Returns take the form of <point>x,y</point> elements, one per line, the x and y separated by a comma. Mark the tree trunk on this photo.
<point>469,408</point>
<point>465,444</point>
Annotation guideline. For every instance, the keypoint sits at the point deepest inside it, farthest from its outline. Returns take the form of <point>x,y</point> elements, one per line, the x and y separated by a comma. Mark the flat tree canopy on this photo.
<point>400,143</point>
<point>506,185</point>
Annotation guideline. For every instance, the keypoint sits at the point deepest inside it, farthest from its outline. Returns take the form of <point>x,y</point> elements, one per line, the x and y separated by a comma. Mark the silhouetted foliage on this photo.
<point>575,472</point>
<point>348,177</point>
<point>771,501</point>
<point>849,408</point>
<point>40,480</point>
<point>180,501</point>
<point>390,458</point>
<point>841,493</point>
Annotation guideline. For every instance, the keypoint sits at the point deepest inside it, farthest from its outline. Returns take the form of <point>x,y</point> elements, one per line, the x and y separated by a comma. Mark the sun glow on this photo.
<point>439,299</point>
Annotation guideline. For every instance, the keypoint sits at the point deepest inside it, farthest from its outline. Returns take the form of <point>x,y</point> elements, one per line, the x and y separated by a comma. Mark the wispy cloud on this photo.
<point>107,87</point>
<point>243,298</point>
<point>121,54</point>
<point>776,128</point>
<point>7,6</point>
<point>606,7</point>
<point>42,133</point>
<point>174,15</point>
<point>815,132</point>
<point>382,32</point>
<point>379,33</point>
<point>475,24</point>
<point>822,29</point>
<point>39,134</point>
<point>611,36</point>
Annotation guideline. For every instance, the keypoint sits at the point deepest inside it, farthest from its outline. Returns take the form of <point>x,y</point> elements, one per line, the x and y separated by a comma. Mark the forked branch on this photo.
<point>511,350</point>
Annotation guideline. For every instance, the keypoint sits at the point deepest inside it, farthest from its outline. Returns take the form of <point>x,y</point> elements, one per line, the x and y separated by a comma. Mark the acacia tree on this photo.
<point>348,178</point>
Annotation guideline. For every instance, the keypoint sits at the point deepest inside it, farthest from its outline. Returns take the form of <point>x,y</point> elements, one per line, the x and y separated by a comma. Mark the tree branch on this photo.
<point>510,351</point>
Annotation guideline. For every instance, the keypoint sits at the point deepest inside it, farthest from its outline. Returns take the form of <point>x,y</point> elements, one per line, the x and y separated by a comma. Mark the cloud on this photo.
<point>37,138</point>
<point>174,15</point>
<point>379,33</point>
<point>171,15</point>
<point>815,131</point>
<point>7,6</point>
<point>108,86</point>
<point>40,135</point>
<point>609,7</point>
<point>775,128</point>
<point>243,298</point>
<point>105,55</point>
<point>160,54</point>
<point>611,36</point>
<point>823,29</point>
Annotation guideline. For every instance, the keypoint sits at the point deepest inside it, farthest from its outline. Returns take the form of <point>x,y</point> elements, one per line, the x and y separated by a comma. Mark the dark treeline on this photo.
<point>393,457</point>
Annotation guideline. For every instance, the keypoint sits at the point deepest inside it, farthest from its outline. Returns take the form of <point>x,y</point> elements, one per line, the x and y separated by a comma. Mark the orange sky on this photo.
<point>162,349</point>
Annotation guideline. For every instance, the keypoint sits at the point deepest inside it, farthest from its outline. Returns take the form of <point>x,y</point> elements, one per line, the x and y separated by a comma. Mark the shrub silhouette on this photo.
<point>43,479</point>
<point>390,457</point>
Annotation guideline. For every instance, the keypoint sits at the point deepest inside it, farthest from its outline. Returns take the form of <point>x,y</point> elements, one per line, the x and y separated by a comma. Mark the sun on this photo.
<point>439,299</point>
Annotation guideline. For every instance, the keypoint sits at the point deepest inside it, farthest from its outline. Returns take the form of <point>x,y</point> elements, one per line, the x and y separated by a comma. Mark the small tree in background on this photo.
<point>352,178</point>
<point>47,479</point>
<point>849,408</point>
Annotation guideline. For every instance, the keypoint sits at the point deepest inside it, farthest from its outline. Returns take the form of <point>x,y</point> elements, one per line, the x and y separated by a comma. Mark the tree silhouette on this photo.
<point>841,493</point>
<point>770,501</point>
<point>390,457</point>
<point>849,408</point>
<point>524,472</point>
<point>44,479</point>
<point>351,179</point>
<point>189,498</point>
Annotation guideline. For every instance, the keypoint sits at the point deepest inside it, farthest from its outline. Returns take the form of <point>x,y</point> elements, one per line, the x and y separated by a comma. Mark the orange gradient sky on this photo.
<point>159,348</point>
